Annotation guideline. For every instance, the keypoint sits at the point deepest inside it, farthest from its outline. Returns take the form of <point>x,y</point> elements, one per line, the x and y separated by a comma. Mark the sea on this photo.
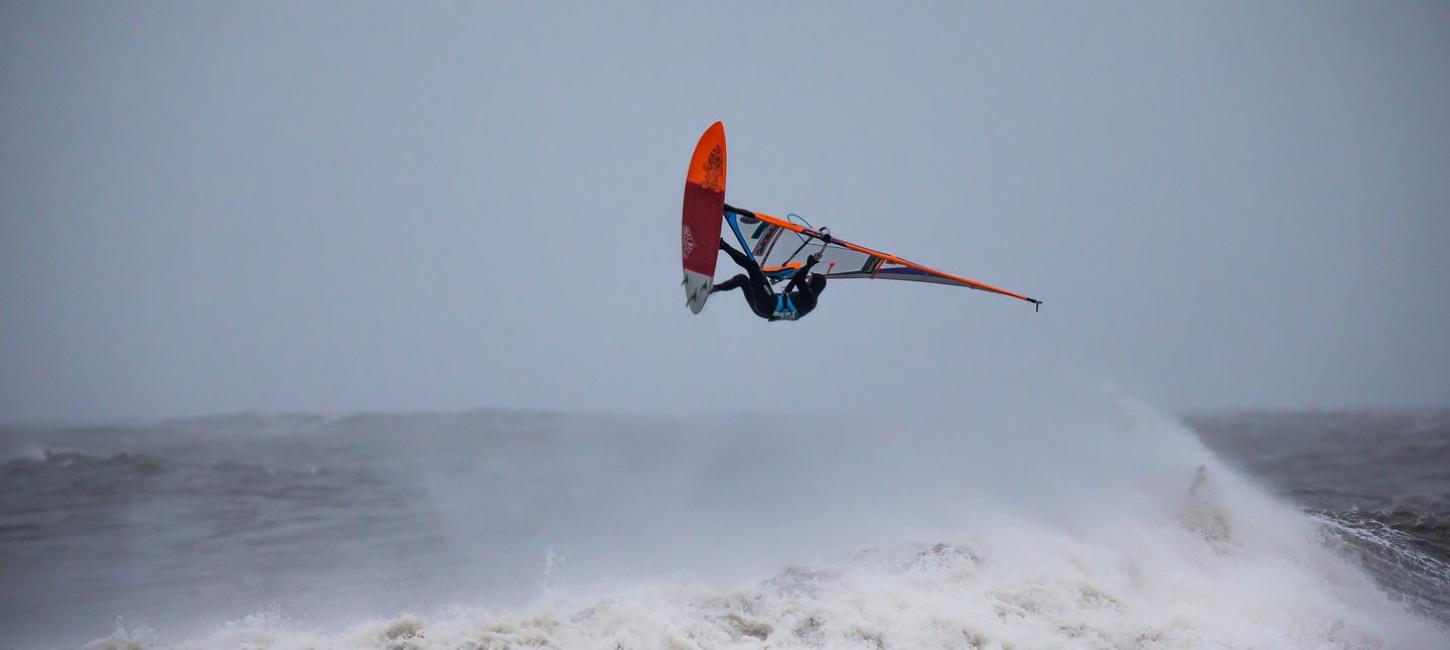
<point>1111,526</point>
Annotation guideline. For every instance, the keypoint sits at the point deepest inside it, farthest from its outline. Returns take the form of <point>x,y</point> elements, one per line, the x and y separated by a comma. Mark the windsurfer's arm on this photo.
<point>802,273</point>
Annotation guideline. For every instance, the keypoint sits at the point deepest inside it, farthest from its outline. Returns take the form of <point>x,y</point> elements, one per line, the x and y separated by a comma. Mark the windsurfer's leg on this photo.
<point>740,280</point>
<point>754,285</point>
<point>740,258</point>
<point>746,263</point>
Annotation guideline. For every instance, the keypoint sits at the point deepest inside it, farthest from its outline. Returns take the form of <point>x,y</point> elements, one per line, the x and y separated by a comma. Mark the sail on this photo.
<point>781,245</point>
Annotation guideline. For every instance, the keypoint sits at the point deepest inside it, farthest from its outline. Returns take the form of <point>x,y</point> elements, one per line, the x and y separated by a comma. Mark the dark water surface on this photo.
<point>1379,481</point>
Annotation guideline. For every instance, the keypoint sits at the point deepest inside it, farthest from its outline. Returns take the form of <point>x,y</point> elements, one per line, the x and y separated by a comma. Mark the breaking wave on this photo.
<point>1211,563</point>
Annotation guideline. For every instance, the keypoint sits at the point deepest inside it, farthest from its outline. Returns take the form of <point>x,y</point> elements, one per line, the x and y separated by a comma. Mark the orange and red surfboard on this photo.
<point>703,211</point>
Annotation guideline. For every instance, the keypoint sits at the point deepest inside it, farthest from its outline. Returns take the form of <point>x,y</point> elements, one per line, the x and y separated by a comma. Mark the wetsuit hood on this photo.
<point>818,283</point>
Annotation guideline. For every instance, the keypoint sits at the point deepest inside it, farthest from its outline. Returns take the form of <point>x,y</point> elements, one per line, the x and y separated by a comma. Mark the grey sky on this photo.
<point>336,207</point>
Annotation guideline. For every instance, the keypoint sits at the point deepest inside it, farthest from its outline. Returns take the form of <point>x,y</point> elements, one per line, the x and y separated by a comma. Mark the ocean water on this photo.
<point>1109,526</point>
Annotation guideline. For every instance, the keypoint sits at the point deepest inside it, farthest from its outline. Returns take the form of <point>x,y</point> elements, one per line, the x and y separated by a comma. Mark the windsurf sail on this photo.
<point>781,245</point>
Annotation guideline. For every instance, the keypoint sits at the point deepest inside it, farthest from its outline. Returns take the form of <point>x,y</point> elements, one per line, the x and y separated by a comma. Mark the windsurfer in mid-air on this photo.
<point>797,300</point>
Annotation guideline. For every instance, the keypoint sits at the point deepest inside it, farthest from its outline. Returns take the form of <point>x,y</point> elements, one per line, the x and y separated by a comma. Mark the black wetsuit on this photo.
<point>797,300</point>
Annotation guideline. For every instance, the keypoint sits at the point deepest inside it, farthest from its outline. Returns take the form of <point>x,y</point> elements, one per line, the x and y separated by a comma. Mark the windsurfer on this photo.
<point>797,300</point>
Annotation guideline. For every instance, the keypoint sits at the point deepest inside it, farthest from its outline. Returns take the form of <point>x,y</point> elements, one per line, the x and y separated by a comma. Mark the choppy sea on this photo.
<point>1115,528</point>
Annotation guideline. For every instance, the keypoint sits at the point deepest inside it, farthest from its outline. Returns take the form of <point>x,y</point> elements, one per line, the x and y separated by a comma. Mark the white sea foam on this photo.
<point>1026,587</point>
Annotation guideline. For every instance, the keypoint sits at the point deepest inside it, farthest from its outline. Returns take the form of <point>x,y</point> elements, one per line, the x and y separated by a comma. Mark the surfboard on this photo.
<point>703,213</point>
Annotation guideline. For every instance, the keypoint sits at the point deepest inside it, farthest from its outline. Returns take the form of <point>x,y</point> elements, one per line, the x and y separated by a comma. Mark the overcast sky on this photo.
<point>338,207</point>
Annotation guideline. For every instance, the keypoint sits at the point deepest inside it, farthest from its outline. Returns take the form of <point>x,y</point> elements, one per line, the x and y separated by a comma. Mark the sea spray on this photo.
<point>1119,530</point>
